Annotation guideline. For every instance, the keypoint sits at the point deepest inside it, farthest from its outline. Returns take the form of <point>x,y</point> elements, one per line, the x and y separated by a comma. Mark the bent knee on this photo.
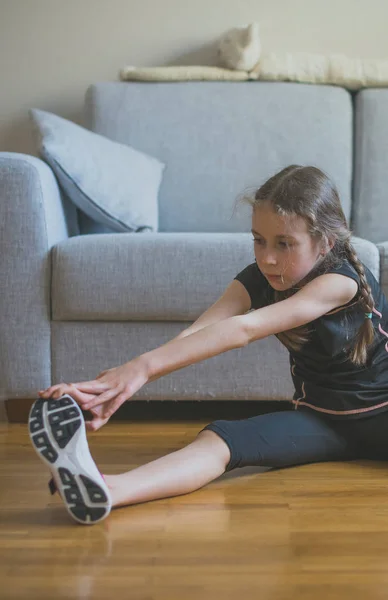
<point>218,446</point>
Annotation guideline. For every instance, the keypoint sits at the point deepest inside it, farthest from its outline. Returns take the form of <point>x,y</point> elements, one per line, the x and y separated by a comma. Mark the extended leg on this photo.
<point>286,438</point>
<point>180,472</point>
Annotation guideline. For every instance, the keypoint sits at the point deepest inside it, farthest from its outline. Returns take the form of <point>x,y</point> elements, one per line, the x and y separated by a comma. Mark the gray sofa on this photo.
<point>77,299</point>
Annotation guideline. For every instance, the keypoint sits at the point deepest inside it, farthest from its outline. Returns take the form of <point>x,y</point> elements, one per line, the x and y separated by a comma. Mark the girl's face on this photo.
<point>285,251</point>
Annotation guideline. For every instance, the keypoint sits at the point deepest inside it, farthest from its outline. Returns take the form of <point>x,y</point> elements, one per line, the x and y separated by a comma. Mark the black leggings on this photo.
<point>285,438</point>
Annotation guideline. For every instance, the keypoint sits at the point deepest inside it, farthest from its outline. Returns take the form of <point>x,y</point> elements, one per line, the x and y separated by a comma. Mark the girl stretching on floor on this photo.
<point>308,287</point>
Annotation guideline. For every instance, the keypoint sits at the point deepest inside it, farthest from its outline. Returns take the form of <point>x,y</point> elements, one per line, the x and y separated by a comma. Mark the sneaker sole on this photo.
<point>58,434</point>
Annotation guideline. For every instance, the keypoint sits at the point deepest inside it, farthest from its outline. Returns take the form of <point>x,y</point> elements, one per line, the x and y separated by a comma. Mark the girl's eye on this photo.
<point>282,245</point>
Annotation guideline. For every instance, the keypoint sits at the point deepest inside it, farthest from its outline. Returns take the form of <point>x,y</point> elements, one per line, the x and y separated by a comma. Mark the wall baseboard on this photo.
<point>167,410</point>
<point>18,410</point>
<point>3,412</point>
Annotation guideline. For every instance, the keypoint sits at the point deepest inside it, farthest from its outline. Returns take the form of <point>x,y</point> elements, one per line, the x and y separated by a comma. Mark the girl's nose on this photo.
<point>269,259</point>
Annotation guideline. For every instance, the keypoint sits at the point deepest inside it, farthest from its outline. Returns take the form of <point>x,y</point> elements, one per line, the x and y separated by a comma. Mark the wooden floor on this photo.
<point>316,532</point>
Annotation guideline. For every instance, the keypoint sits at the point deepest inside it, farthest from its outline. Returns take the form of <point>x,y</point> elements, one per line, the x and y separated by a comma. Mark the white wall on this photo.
<point>51,50</point>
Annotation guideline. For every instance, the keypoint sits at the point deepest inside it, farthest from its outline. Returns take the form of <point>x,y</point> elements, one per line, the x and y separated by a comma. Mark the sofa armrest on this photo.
<point>32,221</point>
<point>383,251</point>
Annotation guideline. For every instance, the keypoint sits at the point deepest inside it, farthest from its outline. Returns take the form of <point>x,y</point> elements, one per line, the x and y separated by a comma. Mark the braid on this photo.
<point>365,334</point>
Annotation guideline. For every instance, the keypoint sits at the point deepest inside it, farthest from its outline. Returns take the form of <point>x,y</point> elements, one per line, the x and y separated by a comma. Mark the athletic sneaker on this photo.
<point>58,434</point>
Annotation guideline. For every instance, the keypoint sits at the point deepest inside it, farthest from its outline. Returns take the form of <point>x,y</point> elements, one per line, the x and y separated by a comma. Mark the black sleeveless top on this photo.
<point>325,379</point>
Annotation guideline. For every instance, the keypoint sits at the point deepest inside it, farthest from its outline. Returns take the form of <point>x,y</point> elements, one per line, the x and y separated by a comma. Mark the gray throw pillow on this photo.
<point>112,183</point>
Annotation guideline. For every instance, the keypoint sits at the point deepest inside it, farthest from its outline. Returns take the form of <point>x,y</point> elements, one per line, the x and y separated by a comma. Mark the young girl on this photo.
<point>308,287</point>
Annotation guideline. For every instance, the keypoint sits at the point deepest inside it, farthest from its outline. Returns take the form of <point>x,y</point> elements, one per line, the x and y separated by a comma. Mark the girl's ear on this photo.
<point>327,245</point>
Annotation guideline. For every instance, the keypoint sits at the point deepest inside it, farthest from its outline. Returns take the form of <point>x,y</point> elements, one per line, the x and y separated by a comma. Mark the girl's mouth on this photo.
<point>274,277</point>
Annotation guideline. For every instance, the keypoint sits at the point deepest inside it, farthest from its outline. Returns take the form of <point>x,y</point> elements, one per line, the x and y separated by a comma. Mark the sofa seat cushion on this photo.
<point>162,276</point>
<point>155,276</point>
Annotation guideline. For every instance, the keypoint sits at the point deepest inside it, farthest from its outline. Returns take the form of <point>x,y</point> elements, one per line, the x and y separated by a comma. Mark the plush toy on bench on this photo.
<point>240,48</point>
<point>239,52</point>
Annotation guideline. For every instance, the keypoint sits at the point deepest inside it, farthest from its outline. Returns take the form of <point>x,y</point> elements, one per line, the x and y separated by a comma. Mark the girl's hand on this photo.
<point>105,394</point>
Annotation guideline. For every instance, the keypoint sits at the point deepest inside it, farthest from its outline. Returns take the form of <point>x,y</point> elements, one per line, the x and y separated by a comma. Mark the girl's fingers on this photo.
<point>95,423</point>
<point>58,390</point>
<point>92,425</point>
<point>55,392</point>
<point>117,402</point>
<point>80,397</point>
<point>92,386</point>
<point>101,399</point>
<point>46,393</point>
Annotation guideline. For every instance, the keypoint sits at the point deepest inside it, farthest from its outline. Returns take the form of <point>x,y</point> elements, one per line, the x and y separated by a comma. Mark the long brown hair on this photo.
<point>309,193</point>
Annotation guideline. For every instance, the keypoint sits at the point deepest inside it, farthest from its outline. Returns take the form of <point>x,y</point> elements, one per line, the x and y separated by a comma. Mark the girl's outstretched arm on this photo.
<point>119,384</point>
<point>315,299</point>
<point>104,394</point>
<point>114,386</point>
<point>318,297</point>
<point>200,345</point>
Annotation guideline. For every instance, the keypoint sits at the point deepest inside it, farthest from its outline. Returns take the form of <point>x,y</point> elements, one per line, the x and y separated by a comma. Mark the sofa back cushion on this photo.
<point>370,210</point>
<point>219,139</point>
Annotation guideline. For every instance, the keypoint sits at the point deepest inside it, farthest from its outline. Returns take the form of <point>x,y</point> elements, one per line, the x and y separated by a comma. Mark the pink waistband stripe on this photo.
<point>338,412</point>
